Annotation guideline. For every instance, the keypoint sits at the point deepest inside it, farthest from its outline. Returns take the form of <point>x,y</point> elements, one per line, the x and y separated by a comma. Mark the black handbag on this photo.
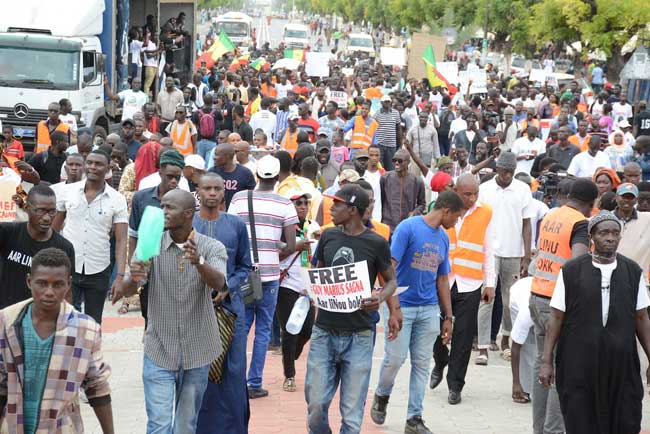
<point>251,291</point>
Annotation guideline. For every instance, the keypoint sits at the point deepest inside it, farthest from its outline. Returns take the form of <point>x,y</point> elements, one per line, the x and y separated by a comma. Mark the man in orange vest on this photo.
<point>363,129</point>
<point>473,268</point>
<point>562,236</point>
<point>289,138</point>
<point>182,132</point>
<point>48,126</point>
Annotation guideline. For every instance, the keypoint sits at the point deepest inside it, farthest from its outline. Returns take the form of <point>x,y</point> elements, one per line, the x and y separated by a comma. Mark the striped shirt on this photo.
<point>281,124</point>
<point>182,332</point>
<point>386,134</point>
<point>272,214</point>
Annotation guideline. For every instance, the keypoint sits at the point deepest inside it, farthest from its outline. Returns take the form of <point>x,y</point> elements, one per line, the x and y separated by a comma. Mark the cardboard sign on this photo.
<point>393,56</point>
<point>317,64</point>
<point>479,81</point>
<point>341,98</point>
<point>340,288</point>
<point>8,207</point>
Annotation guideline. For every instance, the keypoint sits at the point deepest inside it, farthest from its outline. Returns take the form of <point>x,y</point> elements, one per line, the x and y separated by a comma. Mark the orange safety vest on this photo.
<point>523,124</point>
<point>290,142</point>
<point>268,91</point>
<point>327,217</point>
<point>361,134</point>
<point>43,141</point>
<point>180,140</point>
<point>574,141</point>
<point>554,248</point>
<point>466,251</point>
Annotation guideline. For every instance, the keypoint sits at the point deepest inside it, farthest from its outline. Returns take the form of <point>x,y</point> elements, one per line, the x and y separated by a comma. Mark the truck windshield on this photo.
<point>298,34</point>
<point>360,42</point>
<point>39,68</point>
<point>237,29</point>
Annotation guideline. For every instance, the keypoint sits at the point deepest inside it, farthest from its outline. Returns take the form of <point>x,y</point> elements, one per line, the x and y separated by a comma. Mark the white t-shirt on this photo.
<point>265,120</point>
<point>70,120</point>
<point>135,47</point>
<point>523,146</point>
<point>584,165</point>
<point>510,206</point>
<point>281,89</point>
<point>201,90</point>
<point>150,61</point>
<point>519,311</point>
<point>132,102</point>
<point>539,210</point>
<point>293,279</point>
<point>621,112</point>
<point>457,125</point>
<point>373,179</point>
<point>558,301</point>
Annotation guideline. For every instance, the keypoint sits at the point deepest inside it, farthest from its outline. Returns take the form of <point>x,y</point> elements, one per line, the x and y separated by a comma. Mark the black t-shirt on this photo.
<point>337,248</point>
<point>16,251</point>
<point>579,233</point>
<point>642,122</point>
<point>245,131</point>
<point>48,166</point>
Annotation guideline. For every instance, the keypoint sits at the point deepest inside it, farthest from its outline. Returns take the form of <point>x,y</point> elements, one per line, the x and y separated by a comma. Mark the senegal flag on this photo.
<point>220,47</point>
<point>239,61</point>
<point>435,78</point>
<point>295,54</point>
<point>260,64</point>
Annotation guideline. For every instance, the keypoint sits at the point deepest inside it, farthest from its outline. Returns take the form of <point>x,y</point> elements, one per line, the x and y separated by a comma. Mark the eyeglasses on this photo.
<point>398,160</point>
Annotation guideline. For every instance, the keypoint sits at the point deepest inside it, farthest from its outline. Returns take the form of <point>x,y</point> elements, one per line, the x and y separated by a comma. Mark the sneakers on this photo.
<point>436,377</point>
<point>257,392</point>
<point>415,425</point>
<point>289,385</point>
<point>378,410</point>
<point>454,397</point>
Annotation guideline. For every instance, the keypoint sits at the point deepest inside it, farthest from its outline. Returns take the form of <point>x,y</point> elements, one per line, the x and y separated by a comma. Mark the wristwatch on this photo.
<point>201,260</point>
<point>448,318</point>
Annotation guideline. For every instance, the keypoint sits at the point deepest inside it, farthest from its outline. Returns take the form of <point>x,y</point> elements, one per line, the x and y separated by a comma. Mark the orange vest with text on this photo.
<point>553,248</point>
<point>361,134</point>
<point>290,142</point>
<point>466,251</point>
<point>180,138</point>
<point>43,141</point>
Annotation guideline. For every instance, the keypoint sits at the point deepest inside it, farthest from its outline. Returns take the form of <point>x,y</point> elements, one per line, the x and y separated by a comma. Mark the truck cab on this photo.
<point>296,36</point>
<point>359,43</point>
<point>238,27</point>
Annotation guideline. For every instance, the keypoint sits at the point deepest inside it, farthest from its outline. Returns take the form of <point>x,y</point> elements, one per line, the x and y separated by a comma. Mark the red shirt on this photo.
<point>310,126</point>
<point>15,150</point>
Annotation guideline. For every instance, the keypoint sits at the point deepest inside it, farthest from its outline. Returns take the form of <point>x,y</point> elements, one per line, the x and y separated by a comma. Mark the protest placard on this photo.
<point>317,64</point>
<point>340,288</point>
<point>393,56</point>
<point>8,207</point>
<point>339,97</point>
<point>449,70</point>
<point>479,81</point>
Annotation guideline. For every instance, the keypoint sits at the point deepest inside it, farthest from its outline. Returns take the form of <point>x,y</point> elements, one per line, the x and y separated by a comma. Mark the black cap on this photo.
<point>322,144</point>
<point>352,195</point>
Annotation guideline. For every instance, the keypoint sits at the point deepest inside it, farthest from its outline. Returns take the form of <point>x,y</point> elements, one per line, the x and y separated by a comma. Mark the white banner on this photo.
<point>340,288</point>
<point>341,98</point>
<point>393,56</point>
<point>317,64</point>
<point>478,78</point>
<point>541,76</point>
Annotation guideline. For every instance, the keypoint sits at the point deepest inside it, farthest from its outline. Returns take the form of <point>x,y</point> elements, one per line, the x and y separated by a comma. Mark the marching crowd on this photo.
<point>496,213</point>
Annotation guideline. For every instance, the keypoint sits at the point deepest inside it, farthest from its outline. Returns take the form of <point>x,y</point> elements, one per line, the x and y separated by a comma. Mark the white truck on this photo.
<point>238,26</point>
<point>49,52</point>
<point>296,36</point>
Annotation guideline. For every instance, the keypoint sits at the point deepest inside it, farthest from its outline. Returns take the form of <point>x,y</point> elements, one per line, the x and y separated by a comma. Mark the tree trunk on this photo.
<point>615,64</point>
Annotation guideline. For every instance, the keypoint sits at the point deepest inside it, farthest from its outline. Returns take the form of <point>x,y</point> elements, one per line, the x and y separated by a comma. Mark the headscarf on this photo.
<point>611,174</point>
<point>439,181</point>
<point>146,161</point>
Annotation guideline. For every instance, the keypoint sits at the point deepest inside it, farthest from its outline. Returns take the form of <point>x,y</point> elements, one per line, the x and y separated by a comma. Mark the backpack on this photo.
<point>206,123</point>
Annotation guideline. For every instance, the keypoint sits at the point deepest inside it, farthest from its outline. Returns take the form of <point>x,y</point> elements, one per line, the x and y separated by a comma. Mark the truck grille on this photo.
<point>296,45</point>
<point>8,115</point>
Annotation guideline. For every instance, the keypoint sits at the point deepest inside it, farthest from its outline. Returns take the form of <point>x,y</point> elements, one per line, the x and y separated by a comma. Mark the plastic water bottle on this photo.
<point>298,315</point>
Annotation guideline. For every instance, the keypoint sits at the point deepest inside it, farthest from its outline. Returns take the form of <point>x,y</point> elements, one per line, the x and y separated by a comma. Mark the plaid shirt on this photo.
<point>182,332</point>
<point>76,363</point>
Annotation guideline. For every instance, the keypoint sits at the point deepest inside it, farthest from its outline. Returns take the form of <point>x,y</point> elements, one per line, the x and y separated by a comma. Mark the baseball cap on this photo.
<point>349,175</point>
<point>128,121</point>
<point>624,124</point>
<point>360,153</point>
<point>352,195</point>
<point>323,144</point>
<point>295,193</point>
<point>195,161</point>
<point>293,117</point>
<point>627,188</point>
<point>268,167</point>
<point>386,98</point>
<point>321,133</point>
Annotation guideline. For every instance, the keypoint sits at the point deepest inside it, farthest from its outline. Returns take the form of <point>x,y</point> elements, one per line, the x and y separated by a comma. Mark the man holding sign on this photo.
<point>341,340</point>
<point>420,250</point>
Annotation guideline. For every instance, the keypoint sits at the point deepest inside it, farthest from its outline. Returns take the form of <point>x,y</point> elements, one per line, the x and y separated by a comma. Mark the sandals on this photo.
<point>521,399</point>
<point>124,309</point>
<point>289,385</point>
<point>481,360</point>
<point>506,354</point>
<point>494,346</point>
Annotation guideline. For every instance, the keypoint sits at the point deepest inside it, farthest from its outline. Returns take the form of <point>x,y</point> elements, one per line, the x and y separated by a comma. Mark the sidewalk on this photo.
<point>486,408</point>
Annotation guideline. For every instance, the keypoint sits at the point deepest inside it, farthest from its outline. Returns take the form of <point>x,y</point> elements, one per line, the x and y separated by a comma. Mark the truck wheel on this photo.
<point>99,135</point>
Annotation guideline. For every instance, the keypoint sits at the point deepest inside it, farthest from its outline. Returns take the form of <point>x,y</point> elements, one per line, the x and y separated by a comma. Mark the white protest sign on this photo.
<point>339,97</point>
<point>478,78</point>
<point>8,207</point>
<point>393,56</point>
<point>340,288</point>
<point>317,64</point>
<point>541,76</point>
<point>449,70</point>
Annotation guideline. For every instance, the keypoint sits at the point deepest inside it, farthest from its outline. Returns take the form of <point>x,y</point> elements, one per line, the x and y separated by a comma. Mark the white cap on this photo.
<point>386,98</point>
<point>195,161</point>
<point>268,167</point>
<point>624,124</point>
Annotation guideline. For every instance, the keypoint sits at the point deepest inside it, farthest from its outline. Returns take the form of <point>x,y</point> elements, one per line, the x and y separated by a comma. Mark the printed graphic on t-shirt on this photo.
<point>427,258</point>
<point>344,255</point>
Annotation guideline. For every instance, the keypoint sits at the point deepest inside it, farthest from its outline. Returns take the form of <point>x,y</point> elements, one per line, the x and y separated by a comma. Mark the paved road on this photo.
<point>486,407</point>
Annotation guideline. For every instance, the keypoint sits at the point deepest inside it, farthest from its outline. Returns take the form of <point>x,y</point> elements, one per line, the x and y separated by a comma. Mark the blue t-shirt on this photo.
<point>239,179</point>
<point>422,253</point>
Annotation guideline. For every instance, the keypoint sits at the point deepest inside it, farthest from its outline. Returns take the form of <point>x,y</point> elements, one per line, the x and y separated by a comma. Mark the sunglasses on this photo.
<point>398,160</point>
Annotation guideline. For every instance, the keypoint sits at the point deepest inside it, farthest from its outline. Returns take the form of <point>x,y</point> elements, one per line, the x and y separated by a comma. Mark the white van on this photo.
<point>296,36</point>
<point>238,28</point>
<point>360,42</point>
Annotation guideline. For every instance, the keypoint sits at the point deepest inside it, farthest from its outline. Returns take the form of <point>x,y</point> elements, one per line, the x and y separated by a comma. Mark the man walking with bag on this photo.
<point>274,216</point>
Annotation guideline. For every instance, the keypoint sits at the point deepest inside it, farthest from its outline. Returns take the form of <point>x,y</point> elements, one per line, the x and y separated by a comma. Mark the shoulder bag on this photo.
<point>251,291</point>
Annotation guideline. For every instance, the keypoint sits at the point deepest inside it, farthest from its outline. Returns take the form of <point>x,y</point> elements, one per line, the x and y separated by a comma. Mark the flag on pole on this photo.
<point>239,61</point>
<point>220,47</point>
<point>433,75</point>
<point>260,64</point>
<point>295,54</point>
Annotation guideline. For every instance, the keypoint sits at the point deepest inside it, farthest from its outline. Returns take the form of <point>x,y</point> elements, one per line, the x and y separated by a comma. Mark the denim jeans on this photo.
<point>261,312</point>
<point>164,416</point>
<point>204,149</point>
<point>387,154</point>
<point>333,358</point>
<point>421,326</point>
